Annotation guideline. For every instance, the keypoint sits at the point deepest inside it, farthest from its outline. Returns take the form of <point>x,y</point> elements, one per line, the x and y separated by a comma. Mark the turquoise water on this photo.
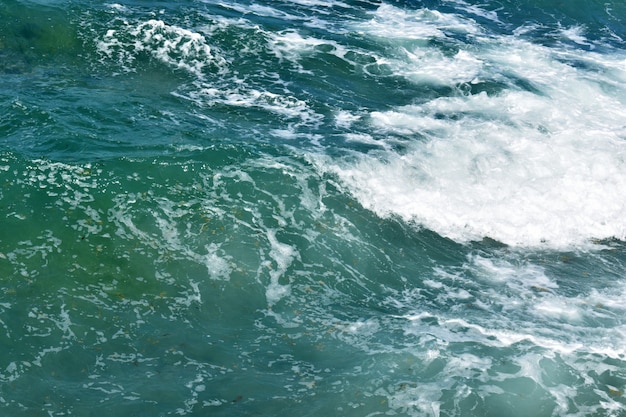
<point>312,207</point>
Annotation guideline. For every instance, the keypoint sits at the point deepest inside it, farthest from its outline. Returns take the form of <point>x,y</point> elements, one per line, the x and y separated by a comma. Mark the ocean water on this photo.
<point>313,208</point>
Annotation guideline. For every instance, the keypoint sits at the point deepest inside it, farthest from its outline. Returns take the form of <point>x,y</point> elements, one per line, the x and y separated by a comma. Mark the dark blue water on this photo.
<point>350,208</point>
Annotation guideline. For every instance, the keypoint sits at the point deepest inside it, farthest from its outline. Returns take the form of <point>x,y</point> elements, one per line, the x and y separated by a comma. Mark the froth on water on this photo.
<point>529,150</point>
<point>326,207</point>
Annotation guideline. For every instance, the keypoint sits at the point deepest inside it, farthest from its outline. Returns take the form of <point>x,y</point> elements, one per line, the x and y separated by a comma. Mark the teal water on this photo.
<point>313,207</point>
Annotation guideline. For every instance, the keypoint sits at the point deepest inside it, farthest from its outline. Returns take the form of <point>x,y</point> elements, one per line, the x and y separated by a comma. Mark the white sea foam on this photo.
<point>291,45</point>
<point>561,309</point>
<point>345,119</point>
<point>477,10</point>
<point>320,3</point>
<point>282,105</point>
<point>117,7</point>
<point>393,23</point>
<point>283,255</point>
<point>433,67</point>
<point>409,32</point>
<point>217,266</point>
<point>175,46</point>
<point>521,277</point>
<point>524,167</point>
<point>576,34</point>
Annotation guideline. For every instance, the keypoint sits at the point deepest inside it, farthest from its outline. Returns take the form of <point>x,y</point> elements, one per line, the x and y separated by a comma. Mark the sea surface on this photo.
<point>313,208</point>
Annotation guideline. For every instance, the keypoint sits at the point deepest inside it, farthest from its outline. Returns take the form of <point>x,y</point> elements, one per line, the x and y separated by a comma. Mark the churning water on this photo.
<point>313,208</point>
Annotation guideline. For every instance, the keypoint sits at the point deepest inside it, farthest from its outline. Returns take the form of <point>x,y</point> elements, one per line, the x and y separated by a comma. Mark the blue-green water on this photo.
<point>313,208</point>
